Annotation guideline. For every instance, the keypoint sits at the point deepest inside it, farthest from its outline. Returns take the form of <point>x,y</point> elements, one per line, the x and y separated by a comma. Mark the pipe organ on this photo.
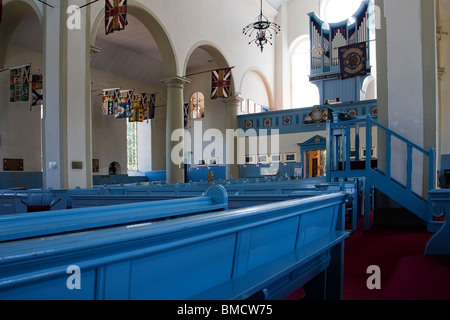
<point>327,38</point>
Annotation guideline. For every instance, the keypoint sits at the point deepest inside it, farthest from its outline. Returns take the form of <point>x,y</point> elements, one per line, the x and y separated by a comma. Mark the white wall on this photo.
<point>445,91</point>
<point>405,80</point>
<point>20,125</point>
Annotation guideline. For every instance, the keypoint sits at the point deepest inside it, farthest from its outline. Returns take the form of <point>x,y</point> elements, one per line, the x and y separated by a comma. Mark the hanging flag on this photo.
<point>115,15</point>
<point>19,84</point>
<point>124,104</point>
<point>353,59</point>
<point>1,10</point>
<point>150,106</point>
<point>137,108</point>
<point>186,113</point>
<point>36,89</point>
<point>221,82</point>
<point>110,101</point>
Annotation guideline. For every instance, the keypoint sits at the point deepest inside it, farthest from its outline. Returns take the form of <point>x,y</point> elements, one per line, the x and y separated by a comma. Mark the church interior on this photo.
<point>182,150</point>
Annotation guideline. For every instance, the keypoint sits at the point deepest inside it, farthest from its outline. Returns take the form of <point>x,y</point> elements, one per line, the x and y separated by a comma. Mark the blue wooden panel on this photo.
<point>344,89</point>
<point>314,225</point>
<point>116,281</point>
<point>157,175</point>
<point>189,269</point>
<point>271,241</point>
<point>54,289</point>
<point>195,173</point>
<point>27,180</point>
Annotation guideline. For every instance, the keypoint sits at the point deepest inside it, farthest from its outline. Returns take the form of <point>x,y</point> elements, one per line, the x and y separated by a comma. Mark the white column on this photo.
<point>67,112</point>
<point>232,167</point>
<point>174,124</point>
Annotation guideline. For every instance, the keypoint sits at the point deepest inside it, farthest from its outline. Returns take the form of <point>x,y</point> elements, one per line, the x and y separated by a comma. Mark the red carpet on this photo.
<point>420,277</point>
<point>383,247</point>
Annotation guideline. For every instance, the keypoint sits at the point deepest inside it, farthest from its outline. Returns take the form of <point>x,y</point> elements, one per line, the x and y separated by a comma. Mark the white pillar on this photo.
<point>67,112</point>
<point>232,168</point>
<point>174,122</point>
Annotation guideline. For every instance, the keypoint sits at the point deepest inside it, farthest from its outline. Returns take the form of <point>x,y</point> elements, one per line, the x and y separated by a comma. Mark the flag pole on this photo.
<point>87,4</point>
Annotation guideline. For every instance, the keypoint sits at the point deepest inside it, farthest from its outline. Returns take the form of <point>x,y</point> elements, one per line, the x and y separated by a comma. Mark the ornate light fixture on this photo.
<point>261,26</point>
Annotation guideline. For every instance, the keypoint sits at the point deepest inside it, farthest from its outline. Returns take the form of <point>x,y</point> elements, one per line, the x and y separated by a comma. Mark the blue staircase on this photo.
<point>346,161</point>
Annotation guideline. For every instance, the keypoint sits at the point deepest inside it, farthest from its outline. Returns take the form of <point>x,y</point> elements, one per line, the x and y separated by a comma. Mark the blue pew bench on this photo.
<point>266,251</point>
<point>39,224</point>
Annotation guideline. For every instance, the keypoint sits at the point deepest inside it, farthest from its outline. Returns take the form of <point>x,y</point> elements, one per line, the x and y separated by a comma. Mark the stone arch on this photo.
<point>216,54</point>
<point>14,11</point>
<point>368,89</point>
<point>154,26</point>
<point>264,80</point>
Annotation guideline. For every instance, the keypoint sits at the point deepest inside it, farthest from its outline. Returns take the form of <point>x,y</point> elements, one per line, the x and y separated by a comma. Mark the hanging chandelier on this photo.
<point>265,30</point>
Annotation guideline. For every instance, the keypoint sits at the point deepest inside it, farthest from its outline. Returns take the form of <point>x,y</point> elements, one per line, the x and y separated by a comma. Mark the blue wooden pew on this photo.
<point>12,204</point>
<point>439,244</point>
<point>40,224</point>
<point>267,251</point>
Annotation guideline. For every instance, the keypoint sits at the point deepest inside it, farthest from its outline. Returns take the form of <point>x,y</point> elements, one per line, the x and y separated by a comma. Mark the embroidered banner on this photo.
<point>115,15</point>
<point>37,85</point>
<point>124,104</point>
<point>137,108</point>
<point>110,100</point>
<point>186,113</point>
<point>150,105</point>
<point>19,84</point>
<point>221,82</point>
<point>353,60</point>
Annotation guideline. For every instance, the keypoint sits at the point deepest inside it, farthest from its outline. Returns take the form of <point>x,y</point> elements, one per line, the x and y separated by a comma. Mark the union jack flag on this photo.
<point>221,81</point>
<point>115,15</point>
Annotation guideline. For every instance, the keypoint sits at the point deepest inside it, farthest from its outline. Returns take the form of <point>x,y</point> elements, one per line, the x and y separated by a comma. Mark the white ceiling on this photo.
<point>276,3</point>
<point>132,52</point>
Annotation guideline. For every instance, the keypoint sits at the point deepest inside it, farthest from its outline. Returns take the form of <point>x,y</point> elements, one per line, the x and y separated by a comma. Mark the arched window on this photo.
<point>333,11</point>
<point>197,106</point>
<point>304,93</point>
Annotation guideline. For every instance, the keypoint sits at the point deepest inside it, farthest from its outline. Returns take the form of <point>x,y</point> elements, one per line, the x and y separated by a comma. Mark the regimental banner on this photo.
<point>186,113</point>
<point>137,108</point>
<point>115,15</point>
<point>221,83</point>
<point>353,59</point>
<point>19,84</point>
<point>37,85</point>
<point>110,101</point>
<point>124,104</point>
<point>150,106</point>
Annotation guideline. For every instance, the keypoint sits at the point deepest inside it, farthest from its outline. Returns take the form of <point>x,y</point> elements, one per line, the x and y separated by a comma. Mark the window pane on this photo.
<point>340,10</point>
<point>304,93</point>
<point>132,164</point>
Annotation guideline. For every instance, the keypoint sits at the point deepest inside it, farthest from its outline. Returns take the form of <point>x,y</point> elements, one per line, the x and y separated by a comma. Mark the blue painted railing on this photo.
<point>343,164</point>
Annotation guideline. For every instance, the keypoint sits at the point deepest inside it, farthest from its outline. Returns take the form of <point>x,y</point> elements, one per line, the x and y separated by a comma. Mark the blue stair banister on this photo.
<point>340,165</point>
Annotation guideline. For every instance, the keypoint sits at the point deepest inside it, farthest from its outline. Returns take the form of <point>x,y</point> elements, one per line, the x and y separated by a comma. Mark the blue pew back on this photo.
<point>38,224</point>
<point>226,255</point>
